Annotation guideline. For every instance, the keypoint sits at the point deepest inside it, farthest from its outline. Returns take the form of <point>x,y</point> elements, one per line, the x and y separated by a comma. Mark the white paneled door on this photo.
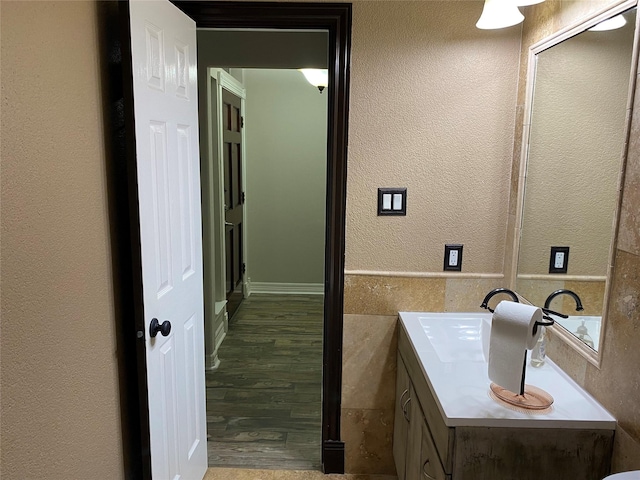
<point>163,51</point>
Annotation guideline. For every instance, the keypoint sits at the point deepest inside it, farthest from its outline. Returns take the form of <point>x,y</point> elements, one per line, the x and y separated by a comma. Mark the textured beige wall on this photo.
<point>575,147</point>
<point>60,416</point>
<point>286,133</point>
<point>432,109</point>
<point>60,408</point>
<point>616,384</point>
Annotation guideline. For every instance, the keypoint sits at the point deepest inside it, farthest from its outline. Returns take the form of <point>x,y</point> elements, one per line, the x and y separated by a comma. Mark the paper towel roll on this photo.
<point>511,334</point>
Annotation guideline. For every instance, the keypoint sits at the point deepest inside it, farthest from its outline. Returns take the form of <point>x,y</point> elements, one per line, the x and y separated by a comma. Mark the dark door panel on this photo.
<point>233,198</point>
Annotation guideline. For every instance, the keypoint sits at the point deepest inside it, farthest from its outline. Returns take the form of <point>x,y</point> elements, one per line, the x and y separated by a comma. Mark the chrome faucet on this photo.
<point>564,291</point>
<point>496,291</point>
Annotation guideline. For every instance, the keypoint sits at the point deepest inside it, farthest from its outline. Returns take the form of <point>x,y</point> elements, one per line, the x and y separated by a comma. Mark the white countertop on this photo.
<point>456,372</point>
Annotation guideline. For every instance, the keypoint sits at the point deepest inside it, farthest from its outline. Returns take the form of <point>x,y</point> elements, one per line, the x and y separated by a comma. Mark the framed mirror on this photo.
<point>576,124</point>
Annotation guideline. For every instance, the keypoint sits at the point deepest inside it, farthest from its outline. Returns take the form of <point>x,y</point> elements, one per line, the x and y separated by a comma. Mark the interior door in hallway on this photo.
<point>163,61</point>
<point>233,198</point>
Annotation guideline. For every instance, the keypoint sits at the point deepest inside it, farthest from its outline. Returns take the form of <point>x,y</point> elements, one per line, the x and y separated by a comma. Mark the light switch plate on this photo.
<point>559,260</point>
<point>392,201</point>
<point>453,258</point>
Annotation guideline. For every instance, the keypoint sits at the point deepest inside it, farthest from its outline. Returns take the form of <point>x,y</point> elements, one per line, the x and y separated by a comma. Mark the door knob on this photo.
<point>164,328</point>
<point>229,224</point>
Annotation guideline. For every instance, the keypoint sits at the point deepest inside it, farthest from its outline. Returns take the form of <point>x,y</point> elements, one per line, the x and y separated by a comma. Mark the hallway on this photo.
<point>264,401</point>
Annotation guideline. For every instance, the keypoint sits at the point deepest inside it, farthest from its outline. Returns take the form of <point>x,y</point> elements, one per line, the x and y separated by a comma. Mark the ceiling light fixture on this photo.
<point>318,77</point>
<point>499,14</point>
<point>526,3</point>
<point>610,24</point>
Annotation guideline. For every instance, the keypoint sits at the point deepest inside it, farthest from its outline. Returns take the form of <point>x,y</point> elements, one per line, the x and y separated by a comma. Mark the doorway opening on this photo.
<point>266,155</point>
<point>336,19</point>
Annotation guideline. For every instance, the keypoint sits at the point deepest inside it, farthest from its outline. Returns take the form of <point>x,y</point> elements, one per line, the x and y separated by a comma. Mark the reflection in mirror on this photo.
<point>575,151</point>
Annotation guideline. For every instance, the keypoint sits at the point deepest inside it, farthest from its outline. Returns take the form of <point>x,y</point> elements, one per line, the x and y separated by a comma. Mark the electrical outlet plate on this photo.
<point>392,201</point>
<point>453,258</point>
<point>559,260</point>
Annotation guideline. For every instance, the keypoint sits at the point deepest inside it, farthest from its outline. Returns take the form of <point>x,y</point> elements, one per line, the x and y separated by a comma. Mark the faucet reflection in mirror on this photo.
<point>573,152</point>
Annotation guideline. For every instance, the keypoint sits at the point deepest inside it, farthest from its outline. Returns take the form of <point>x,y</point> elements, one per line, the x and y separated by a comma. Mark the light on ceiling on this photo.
<point>526,3</point>
<point>611,24</point>
<point>318,77</point>
<point>499,14</point>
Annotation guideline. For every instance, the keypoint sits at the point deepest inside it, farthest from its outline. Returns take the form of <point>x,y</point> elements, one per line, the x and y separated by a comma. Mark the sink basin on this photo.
<point>453,350</point>
<point>463,339</point>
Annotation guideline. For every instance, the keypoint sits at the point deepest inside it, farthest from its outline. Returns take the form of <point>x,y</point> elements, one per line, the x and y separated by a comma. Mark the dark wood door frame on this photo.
<point>122,177</point>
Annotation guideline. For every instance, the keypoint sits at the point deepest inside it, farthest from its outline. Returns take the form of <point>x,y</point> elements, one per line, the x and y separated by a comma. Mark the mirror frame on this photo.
<point>572,30</point>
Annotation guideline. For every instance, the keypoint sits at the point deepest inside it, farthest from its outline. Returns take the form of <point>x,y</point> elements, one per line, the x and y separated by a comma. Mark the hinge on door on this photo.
<point>244,268</point>
<point>241,122</point>
<point>243,197</point>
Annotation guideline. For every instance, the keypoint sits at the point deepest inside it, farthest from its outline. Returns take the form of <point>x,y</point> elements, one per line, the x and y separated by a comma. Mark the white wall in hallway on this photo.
<point>286,128</point>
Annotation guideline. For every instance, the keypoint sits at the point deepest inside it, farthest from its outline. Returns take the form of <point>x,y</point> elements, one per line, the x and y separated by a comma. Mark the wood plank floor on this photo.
<point>252,474</point>
<point>264,401</point>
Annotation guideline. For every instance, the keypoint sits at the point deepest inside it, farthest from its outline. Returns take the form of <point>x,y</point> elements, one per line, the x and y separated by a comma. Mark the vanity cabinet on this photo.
<point>414,451</point>
<point>425,448</point>
<point>401,418</point>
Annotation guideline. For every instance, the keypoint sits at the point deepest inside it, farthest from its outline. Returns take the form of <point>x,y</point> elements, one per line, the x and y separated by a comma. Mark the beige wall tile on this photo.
<point>591,294</point>
<point>368,437</point>
<point>466,294</point>
<point>377,295</point>
<point>626,453</point>
<point>515,167</point>
<point>629,230</point>
<point>537,291</point>
<point>509,247</point>
<point>566,357</point>
<point>369,362</point>
<point>617,384</point>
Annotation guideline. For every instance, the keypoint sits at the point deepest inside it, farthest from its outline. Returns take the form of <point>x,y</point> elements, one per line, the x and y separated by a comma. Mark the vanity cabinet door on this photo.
<point>414,447</point>
<point>430,466</point>
<point>423,462</point>
<point>401,419</point>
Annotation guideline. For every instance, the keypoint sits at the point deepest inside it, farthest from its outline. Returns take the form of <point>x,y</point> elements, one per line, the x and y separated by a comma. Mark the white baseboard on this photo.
<point>287,288</point>
<point>212,362</point>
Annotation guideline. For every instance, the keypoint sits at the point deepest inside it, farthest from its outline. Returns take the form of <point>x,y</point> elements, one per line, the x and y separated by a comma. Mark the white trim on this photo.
<point>212,362</point>
<point>229,82</point>
<point>376,273</point>
<point>576,278</point>
<point>245,210</point>
<point>287,288</point>
<point>219,306</point>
